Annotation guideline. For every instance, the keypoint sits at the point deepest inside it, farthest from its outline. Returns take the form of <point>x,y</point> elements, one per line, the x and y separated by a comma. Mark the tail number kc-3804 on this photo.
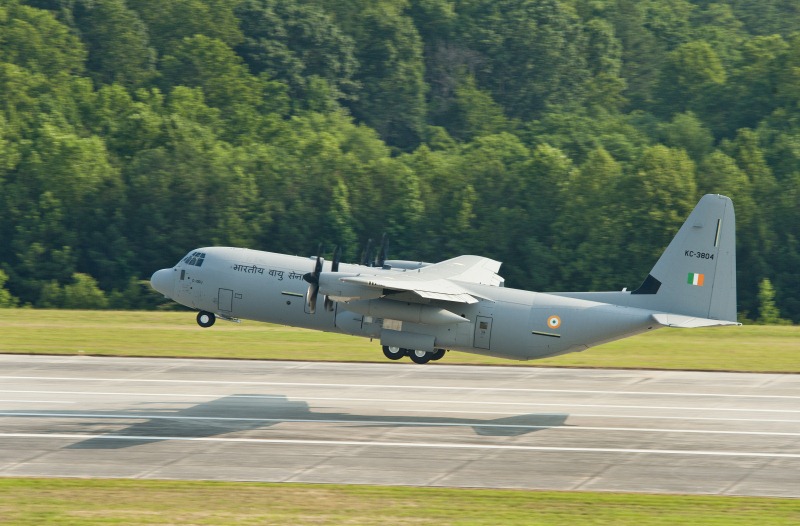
<point>698,255</point>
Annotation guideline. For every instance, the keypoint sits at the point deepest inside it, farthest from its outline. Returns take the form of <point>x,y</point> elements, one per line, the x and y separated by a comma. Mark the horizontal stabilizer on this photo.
<point>688,322</point>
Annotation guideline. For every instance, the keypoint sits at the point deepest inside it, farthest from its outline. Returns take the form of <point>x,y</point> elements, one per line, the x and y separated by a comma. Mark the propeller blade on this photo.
<point>337,256</point>
<point>383,255</point>
<point>367,255</point>
<point>311,297</point>
<point>313,283</point>
<point>318,265</point>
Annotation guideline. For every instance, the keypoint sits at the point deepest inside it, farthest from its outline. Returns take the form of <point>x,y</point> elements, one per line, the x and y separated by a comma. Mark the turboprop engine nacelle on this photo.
<point>408,312</point>
<point>331,286</point>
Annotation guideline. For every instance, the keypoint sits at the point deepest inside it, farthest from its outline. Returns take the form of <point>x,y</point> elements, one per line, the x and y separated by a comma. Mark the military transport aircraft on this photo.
<point>421,309</point>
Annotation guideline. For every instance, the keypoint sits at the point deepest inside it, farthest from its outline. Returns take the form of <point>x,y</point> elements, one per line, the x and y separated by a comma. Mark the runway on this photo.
<point>401,424</point>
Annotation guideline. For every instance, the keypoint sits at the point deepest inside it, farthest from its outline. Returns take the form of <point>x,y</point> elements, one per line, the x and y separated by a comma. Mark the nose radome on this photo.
<point>162,281</point>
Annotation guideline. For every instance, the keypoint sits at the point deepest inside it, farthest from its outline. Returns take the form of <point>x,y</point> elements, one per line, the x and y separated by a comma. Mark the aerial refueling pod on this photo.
<point>402,311</point>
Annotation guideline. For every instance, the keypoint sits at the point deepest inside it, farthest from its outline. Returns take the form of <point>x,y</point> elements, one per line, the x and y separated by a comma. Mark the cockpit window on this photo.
<point>195,258</point>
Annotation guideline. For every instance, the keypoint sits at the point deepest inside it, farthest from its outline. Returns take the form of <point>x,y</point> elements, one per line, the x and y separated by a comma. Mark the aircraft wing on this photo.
<point>440,280</point>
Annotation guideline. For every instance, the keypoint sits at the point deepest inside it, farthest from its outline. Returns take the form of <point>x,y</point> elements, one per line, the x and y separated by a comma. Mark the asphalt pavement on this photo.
<point>401,424</point>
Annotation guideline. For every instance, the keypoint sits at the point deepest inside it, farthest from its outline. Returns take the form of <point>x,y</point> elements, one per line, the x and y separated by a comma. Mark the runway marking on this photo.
<point>408,386</point>
<point>37,401</point>
<point>407,400</point>
<point>431,445</point>
<point>482,424</point>
<point>437,410</point>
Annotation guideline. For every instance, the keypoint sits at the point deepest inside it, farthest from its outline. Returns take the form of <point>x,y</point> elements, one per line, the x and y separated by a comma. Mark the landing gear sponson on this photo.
<point>420,357</point>
<point>206,319</point>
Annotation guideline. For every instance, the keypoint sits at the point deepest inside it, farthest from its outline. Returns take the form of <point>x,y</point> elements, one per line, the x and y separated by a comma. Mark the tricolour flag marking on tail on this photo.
<point>696,279</point>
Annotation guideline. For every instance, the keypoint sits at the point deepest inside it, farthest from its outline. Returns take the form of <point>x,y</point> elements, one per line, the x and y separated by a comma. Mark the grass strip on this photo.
<point>108,502</point>
<point>175,334</point>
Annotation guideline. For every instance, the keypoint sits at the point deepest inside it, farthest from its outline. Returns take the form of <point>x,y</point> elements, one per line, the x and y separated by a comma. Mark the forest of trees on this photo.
<point>567,138</point>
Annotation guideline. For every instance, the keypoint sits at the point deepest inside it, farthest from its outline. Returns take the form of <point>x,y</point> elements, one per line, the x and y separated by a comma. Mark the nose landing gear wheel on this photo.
<point>205,319</point>
<point>419,357</point>
<point>393,353</point>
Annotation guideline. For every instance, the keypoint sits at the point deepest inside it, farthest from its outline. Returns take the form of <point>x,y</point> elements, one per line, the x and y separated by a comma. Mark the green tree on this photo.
<point>670,21</point>
<point>535,261</point>
<point>718,25</point>
<point>786,259</point>
<point>297,43</point>
<point>117,43</point>
<point>474,113</point>
<point>588,234</point>
<point>578,132</point>
<point>753,83</point>
<point>52,198</point>
<point>767,17</point>
<point>606,86</point>
<point>169,23</point>
<point>662,192</point>
<point>642,51</point>
<point>33,39</point>
<point>6,299</point>
<point>687,132</point>
<point>391,70</point>
<point>768,312</point>
<point>533,52</point>
<point>209,64</point>
<point>83,293</point>
<point>500,170</point>
<point>692,78</point>
<point>132,123</point>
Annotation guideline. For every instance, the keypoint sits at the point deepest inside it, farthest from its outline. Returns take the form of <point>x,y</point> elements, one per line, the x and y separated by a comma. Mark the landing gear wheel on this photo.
<point>205,319</point>
<point>393,353</point>
<point>419,357</point>
<point>438,354</point>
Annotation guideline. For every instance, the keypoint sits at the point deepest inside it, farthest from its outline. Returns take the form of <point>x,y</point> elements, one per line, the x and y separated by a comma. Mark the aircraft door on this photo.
<point>483,332</point>
<point>225,300</point>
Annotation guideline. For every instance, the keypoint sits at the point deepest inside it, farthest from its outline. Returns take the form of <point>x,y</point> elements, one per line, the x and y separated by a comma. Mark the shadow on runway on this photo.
<point>237,413</point>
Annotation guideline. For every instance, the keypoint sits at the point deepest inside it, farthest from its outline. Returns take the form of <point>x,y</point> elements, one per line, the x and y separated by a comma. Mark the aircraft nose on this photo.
<point>162,281</point>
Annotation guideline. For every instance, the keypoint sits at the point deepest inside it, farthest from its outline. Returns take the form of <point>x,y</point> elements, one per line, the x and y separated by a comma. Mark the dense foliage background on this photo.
<point>567,138</point>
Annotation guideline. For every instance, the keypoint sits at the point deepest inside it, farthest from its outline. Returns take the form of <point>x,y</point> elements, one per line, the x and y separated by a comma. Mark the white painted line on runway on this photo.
<point>37,401</point>
<point>378,422</point>
<point>434,410</point>
<point>407,386</point>
<point>410,400</point>
<point>432,445</point>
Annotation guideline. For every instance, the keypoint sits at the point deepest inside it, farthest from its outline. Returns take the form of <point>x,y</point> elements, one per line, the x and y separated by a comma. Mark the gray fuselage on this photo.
<point>239,283</point>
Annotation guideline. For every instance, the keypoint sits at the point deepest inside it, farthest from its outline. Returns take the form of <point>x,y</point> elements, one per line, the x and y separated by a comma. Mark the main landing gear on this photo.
<point>420,357</point>
<point>394,353</point>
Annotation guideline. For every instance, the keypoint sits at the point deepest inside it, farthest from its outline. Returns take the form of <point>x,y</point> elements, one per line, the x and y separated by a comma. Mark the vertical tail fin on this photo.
<point>696,275</point>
